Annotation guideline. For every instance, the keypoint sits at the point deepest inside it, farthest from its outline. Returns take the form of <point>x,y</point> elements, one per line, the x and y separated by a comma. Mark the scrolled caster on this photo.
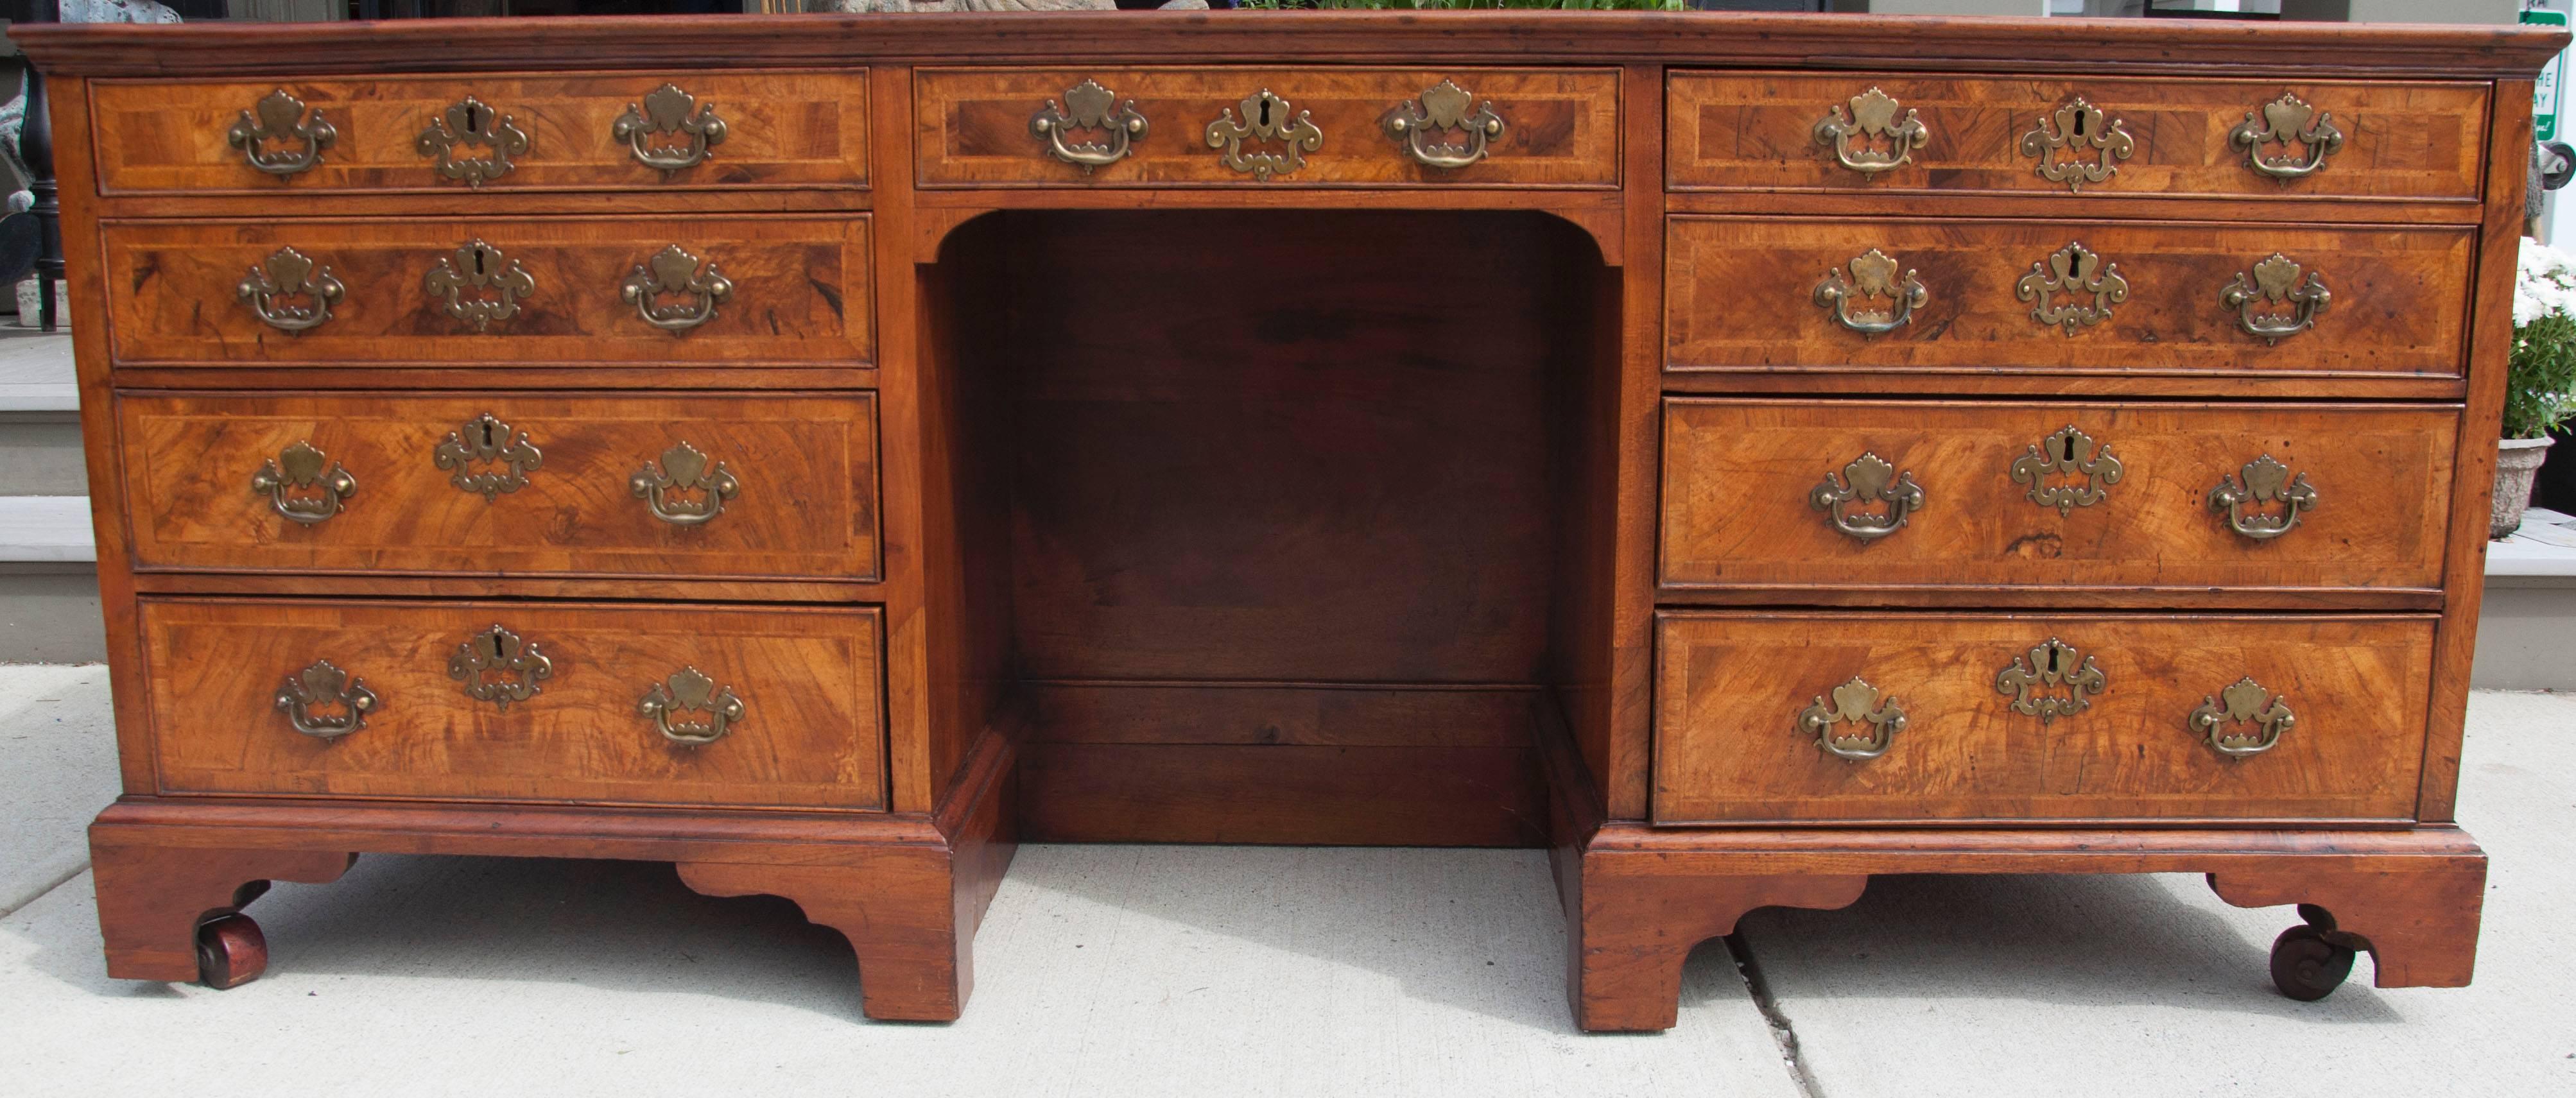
<point>2312,959</point>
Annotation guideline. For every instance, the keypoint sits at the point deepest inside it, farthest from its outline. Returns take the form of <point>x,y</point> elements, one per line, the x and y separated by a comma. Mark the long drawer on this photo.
<point>702,485</point>
<point>2235,139</point>
<point>1843,498</point>
<point>641,131</point>
<point>665,704</point>
<point>1281,127</point>
<point>781,290</point>
<point>1778,717</point>
<point>2064,298</point>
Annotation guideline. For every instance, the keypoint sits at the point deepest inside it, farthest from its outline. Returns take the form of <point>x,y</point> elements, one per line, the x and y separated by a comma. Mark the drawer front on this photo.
<point>1985,297</point>
<point>612,131</point>
<point>2198,138</point>
<point>701,485</point>
<point>786,701</point>
<point>1325,127</point>
<point>772,291</point>
<point>1760,492</point>
<point>1775,717</point>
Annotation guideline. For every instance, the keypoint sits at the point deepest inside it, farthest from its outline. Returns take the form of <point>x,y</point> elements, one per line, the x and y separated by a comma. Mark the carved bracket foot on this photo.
<point>2416,917</point>
<point>899,912</point>
<point>173,912</point>
<point>1642,914</point>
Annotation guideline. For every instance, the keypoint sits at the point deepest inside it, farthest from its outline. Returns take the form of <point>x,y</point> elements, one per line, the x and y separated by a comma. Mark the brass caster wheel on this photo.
<point>230,952</point>
<point>2307,965</point>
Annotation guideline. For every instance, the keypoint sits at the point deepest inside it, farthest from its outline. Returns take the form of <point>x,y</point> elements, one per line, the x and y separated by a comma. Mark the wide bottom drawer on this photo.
<point>1787,717</point>
<point>555,703</point>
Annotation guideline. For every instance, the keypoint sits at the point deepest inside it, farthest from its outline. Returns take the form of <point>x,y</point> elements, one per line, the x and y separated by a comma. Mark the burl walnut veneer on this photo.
<point>1743,454</point>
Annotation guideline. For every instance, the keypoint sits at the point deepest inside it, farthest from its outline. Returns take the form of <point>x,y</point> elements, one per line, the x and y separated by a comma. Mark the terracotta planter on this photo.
<point>2517,461</point>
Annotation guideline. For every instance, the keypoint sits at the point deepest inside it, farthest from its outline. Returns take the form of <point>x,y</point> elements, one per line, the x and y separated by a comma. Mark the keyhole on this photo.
<point>479,269</point>
<point>1265,112</point>
<point>2079,125</point>
<point>489,437</point>
<point>2052,661</point>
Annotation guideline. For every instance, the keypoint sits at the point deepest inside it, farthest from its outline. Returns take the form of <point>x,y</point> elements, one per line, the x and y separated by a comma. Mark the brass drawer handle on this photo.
<point>285,275</point>
<point>1443,108</point>
<point>684,470</point>
<point>691,691</point>
<point>2078,271</point>
<point>2265,482</point>
<point>2288,120</point>
<point>2275,283</point>
<point>1270,118</point>
<point>498,667</point>
<point>2051,663</point>
<point>469,125</point>
<point>325,685</point>
<point>461,281</point>
<point>1089,106</point>
<point>280,116</point>
<point>1854,702</point>
<point>485,440</point>
<point>1869,479</point>
<point>2067,453</point>
<point>673,272</point>
<point>2078,126</point>
<point>299,489</point>
<point>1872,119</point>
<point>648,128</point>
<point>2221,721</point>
<point>1872,277</point>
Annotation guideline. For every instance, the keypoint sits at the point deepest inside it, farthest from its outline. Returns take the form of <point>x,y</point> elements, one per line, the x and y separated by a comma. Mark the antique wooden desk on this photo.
<point>1745,454</point>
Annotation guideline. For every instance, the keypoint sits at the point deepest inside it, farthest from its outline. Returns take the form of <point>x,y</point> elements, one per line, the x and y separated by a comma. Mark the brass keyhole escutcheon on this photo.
<point>1266,117</point>
<point>470,452</point>
<point>497,666</point>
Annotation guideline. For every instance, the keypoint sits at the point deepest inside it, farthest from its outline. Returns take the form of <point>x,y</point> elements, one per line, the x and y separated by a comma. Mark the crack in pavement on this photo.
<point>1783,1033</point>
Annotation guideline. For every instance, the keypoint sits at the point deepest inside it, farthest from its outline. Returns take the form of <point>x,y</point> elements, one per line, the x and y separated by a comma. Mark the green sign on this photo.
<point>2545,92</point>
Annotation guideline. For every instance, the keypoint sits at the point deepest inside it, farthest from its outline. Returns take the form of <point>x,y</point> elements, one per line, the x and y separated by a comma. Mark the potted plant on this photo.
<point>2540,378</point>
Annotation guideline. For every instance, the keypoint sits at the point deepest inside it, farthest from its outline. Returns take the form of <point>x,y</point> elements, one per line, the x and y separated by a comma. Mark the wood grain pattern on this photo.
<point>800,292</point>
<point>1755,132</point>
<point>1737,474</point>
<point>1561,127</point>
<point>806,465</point>
<point>1741,298</point>
<point>782,129</point>
<point>811,736</point>
<point>1730,688</point>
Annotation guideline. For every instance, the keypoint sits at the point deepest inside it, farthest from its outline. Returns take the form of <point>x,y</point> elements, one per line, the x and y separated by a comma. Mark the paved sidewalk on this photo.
<point>1223,971</point>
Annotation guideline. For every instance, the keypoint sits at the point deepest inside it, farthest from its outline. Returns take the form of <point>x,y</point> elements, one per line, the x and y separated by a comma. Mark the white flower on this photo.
<point>2544,283</point>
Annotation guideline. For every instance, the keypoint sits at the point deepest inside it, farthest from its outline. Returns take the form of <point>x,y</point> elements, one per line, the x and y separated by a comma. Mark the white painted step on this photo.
<point>46,530</point>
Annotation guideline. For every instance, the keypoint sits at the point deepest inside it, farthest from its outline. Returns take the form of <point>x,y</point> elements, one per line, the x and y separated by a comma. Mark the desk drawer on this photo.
<point>740,290</point>
<point>547,485</point>
<point>1327,127</point>
<point>1984,297</point>
<point>1793,131</point>
<point>2004,495</point>
<point>1982,718</point>
<point>573,707</point>
<point>540,132</point>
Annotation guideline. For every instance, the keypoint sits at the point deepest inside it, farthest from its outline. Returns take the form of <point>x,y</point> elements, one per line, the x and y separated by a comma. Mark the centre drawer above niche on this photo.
<point>2064,298</point>
<point>775,290</point>
<point>691,485</point>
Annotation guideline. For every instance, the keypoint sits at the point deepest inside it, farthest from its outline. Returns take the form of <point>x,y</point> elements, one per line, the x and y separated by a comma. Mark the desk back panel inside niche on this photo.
<point>1276,517</point>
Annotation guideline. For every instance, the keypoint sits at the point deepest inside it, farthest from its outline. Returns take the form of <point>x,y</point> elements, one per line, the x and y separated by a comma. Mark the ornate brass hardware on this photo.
<point>2078,270</point>
<point>2066,453</point>
<point>1872,120</point>
<point>1867,479</point>
<point>1269,118</point>
<point>2288,120</point>
<point>469,125</point>
<point>668,112</point>
<point>288,274</point>
<point>462,280</point>
<point>280,116</point>
<point>674,272</point>
<point>1854,702</point>
<point>2220,721</point>
<point>2051,663</point>
<point>1873,276</point>
<point>298,488</point>
<point>1089,106</point>
<point>1443,108</point>
<point>691,691</point>
<point>485,440</point>
<point>2266,481</point>
<point>497,667</point>
<point>2275,282</point>
<point>2078,126</point>
<point>684,470</point>
<point>325,685</point>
